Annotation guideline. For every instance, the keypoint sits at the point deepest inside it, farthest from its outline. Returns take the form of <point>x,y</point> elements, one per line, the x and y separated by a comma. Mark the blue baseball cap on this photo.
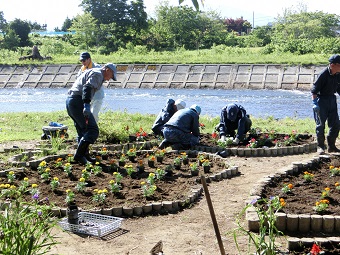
<point>114,69</point>
<point>232,111</point>
<point>335,59</point>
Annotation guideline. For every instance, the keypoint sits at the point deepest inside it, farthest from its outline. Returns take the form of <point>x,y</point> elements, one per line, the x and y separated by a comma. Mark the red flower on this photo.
<point>315,250</point>
<point>214,135</point>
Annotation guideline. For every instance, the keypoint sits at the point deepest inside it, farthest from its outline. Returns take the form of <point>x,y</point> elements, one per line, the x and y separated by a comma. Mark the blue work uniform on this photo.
<point>183,128</point>
<point>240,122</point>
<point>163,117</point>
<point>82,91</point>
<point>325,87</point>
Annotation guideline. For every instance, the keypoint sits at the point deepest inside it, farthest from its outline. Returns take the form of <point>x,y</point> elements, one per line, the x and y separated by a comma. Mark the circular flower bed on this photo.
<point>106,184</point>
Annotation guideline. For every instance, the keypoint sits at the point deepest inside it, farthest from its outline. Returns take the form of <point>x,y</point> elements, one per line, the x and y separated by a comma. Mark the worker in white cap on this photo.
<point>166,113</point>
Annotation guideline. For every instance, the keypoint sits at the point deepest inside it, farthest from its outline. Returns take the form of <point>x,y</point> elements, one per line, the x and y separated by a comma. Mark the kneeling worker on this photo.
<point>182,130</point>
<point>234,117</point>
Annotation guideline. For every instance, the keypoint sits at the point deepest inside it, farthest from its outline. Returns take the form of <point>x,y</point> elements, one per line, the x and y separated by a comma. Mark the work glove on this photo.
<point>236,141</point>
<point>222,139</point>
<point>316,107</point>
<point>87,110</point>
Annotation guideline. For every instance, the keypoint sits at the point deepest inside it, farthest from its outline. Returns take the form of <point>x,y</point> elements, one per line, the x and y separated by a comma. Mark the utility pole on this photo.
<point>253,20</point>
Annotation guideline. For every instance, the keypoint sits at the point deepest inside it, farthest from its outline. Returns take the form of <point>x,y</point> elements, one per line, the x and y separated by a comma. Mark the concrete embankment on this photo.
<point>210,76</point>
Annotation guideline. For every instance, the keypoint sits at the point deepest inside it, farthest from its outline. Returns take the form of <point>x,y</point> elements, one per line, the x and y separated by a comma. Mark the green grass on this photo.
<point>213,56</point>
<point>28,126</point>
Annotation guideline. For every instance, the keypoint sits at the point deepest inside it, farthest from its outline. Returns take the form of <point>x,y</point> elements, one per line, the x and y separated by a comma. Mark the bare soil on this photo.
<point>190,231</point>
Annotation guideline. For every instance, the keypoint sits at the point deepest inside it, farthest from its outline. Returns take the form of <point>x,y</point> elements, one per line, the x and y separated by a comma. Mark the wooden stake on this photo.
<point>212,214</point>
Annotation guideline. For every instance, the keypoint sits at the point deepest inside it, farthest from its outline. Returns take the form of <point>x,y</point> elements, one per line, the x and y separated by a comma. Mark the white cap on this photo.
<point>180,104</point>
<point>196,108</point>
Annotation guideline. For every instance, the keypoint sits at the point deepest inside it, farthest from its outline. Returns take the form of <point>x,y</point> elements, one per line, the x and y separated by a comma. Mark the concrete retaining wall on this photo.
<point>212,76</point>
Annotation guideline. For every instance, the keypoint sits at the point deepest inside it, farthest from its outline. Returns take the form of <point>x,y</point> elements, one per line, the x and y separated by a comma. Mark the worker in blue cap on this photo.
<point>182,130</point>
<point>234,117</point>
<point>79,109</point>
<point>325,104</point>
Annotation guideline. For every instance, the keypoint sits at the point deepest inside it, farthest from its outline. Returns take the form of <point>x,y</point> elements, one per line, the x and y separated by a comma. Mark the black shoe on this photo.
<point>333,149</point>
<point>81,159</point>
<point>177,146</point>
<point>223,154</point>
<point>164,144</point>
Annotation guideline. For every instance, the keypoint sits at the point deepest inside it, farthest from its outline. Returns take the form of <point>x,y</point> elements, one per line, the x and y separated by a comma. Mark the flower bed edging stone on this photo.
<point>263,152</point>
<point>302,223</point>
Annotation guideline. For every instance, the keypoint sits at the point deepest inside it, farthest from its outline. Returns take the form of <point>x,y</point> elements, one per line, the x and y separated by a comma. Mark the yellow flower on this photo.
<point>105,190</point>
<point>97,163</point>
<point>83,171</point>
<point>151,174</point>
<point>67,164</point>
<point>42,163</point>
<point>82,179</point>
<point>331,167</point>
<point>95,190</point>
<point>317,203</point>
<point>68,191</point>
<point>327,189</point>
<point>142,183</point>
<point>34,185</point>
<point>11,172</point>
<point>290,186</point>
<point>26,179</point>
<point>59,159</point>
<point>7,185</point>
<point>56,178</point>
<point>336,184</point>
<point>112,182</point>
<point>12,187</point>
<point>115,173</point>
<point>47,170</point>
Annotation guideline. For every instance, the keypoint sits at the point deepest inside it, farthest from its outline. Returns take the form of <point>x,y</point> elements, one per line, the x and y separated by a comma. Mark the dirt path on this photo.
<point>190,231</point>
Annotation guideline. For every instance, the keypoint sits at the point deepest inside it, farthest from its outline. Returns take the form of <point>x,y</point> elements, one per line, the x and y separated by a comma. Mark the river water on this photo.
<point>258,103</point>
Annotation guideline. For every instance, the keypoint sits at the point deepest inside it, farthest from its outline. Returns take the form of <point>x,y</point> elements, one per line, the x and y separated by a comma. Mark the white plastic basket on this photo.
<point>92,224</point>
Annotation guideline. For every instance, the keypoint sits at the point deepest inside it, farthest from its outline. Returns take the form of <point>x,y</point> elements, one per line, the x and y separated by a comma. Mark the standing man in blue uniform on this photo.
<point>325,104</point>
<point>79,109</point>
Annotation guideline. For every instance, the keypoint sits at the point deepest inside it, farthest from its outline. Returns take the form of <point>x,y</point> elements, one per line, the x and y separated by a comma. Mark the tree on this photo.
<point>238,25</point>
<point>11,40</point>
<point>182,26</point>
<point>129,20</point>
<point>3,23</point>
<point>85,27</point>
<point>305,25</point>
<point>22,29</point>
<point>66,25</point>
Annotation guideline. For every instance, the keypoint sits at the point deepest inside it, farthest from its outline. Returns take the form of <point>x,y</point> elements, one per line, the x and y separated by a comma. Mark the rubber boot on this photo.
<point>88,156</point>
<point>331,145</point>
<point>321,145</point>
<point>81,151</point>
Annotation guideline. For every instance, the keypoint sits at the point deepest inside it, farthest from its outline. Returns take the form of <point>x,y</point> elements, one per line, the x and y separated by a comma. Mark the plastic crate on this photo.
<point>92,224</point>
<point>49,132</point>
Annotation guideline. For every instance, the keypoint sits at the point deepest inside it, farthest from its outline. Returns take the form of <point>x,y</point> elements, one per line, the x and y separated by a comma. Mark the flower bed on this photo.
<point>94,187</point>
<point>310,195</point>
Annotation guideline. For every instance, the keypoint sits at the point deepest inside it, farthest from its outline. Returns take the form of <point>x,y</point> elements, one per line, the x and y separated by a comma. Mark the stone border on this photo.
<point>302,223</point>
<point>263,152</point>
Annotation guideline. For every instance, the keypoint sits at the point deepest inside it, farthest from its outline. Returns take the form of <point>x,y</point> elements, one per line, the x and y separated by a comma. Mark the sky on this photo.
<point>258,13</point>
